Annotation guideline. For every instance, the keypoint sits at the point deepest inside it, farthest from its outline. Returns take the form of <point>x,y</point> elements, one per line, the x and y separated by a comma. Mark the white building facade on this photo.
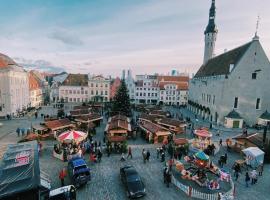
<point>146,89</point>
<point>99,88</point>
<point>74,89</point>
<point>14,87</point>
<point>172,93</point>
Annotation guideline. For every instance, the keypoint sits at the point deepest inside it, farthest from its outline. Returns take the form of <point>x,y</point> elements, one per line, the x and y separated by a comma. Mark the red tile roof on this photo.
<point>79,112</point>
<point>173,78</point>
<point>179,85</point>
<point>118,124</point>
<point>5,61</point>
<point>76,80</point>
<point>171,122</point>
<point>58,124</point>
<point>119,117</point>
<point>146,117</point>
<point>153,128</point>
<point>34,83</point>
<point>180,141</point>
<point>90,117</point>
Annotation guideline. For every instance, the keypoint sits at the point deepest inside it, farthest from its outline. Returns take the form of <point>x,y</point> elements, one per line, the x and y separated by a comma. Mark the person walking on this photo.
<point>99,155</point>
<point>144,155</point>
<point>260,169</point>
<point>23,131</point>
<point>18,130</point>
<point>236,175</point>
<point>129,153</point>
<point>165,174</point>
<point>225,158</point>
<point>148,155</point>
<point>158,152</point>
<point>247,179</point>
<point>62,175</point>
<point>168,177</point>
<point>162,156</point>
<point>122,157</point>
<point>253,176</point>
<point>220,142</point>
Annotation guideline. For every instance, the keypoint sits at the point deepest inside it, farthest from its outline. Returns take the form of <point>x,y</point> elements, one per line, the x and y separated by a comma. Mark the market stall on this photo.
<point>118,125</point>
<point>202,139</point>
<point>92,118</point>
<point>254,156</point>
<point>173,125</point>
<point>154,133</point>
<point>72,136</point>
<point>58,126</point>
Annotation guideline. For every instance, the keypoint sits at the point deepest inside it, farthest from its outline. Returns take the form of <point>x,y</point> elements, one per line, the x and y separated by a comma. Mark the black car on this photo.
<point>132,181</point>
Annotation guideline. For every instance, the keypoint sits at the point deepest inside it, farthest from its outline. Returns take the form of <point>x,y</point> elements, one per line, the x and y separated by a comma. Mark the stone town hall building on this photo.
<point>233,87</point>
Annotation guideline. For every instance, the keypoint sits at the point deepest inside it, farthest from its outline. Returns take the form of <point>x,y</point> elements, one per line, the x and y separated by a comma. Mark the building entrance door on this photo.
<point>236,124</point>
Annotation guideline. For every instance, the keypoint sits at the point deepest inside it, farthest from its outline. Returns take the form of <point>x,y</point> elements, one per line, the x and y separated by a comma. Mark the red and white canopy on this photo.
<point>203,133</point>
<point>70,136</point>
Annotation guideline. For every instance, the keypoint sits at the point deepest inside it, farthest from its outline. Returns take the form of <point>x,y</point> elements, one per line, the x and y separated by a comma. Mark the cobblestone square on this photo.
<point>105,183</point>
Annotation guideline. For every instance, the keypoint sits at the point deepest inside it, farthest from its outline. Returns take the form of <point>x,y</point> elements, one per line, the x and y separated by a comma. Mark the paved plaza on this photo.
<point>105,183</point>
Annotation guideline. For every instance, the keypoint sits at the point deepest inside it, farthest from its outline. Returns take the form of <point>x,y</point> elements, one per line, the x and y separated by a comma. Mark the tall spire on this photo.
<point>211,27</point>
<point>210,34</point>
<point>256,37</point>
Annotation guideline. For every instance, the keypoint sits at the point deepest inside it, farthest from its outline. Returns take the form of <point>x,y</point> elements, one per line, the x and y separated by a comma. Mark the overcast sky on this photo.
<point>105,36</point>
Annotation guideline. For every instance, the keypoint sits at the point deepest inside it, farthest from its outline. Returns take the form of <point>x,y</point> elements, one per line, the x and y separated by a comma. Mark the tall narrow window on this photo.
<point>214,98</point>
<point>254,75</point>
<point>235,102</point>
<point>258,103</point>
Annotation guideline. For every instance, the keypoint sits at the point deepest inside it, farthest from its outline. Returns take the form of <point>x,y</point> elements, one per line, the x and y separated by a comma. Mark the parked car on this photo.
<point>63,193</point>
<point>132,181</point>
<point>78,171</point>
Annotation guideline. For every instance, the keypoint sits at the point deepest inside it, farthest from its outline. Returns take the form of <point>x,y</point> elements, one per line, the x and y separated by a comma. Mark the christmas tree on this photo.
<point>121,101</point>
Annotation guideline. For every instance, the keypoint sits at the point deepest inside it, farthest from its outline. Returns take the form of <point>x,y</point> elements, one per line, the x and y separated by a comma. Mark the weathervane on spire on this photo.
<point>257,25</point>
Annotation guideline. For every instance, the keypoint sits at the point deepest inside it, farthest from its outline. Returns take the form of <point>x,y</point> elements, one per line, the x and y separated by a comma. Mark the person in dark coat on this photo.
<point>162,156</point>
<point>247,179</point>
<point>18,130</point>
<point>23,131</point>
<point>148,155</point>
<point>129,153</point>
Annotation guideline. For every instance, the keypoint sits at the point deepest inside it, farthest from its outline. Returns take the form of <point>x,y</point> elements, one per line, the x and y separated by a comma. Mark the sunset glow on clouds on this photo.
<point>105,36</point>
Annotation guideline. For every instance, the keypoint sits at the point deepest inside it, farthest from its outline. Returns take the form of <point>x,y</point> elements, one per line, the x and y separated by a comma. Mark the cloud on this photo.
<point>40,65</point>
<point>66,37</point>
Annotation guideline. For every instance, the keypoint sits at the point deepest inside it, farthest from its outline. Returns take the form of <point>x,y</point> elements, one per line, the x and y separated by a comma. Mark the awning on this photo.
<point>203,133</point>
<point>180,141</point>
<point>201,156</point>
<point>70,136</point>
